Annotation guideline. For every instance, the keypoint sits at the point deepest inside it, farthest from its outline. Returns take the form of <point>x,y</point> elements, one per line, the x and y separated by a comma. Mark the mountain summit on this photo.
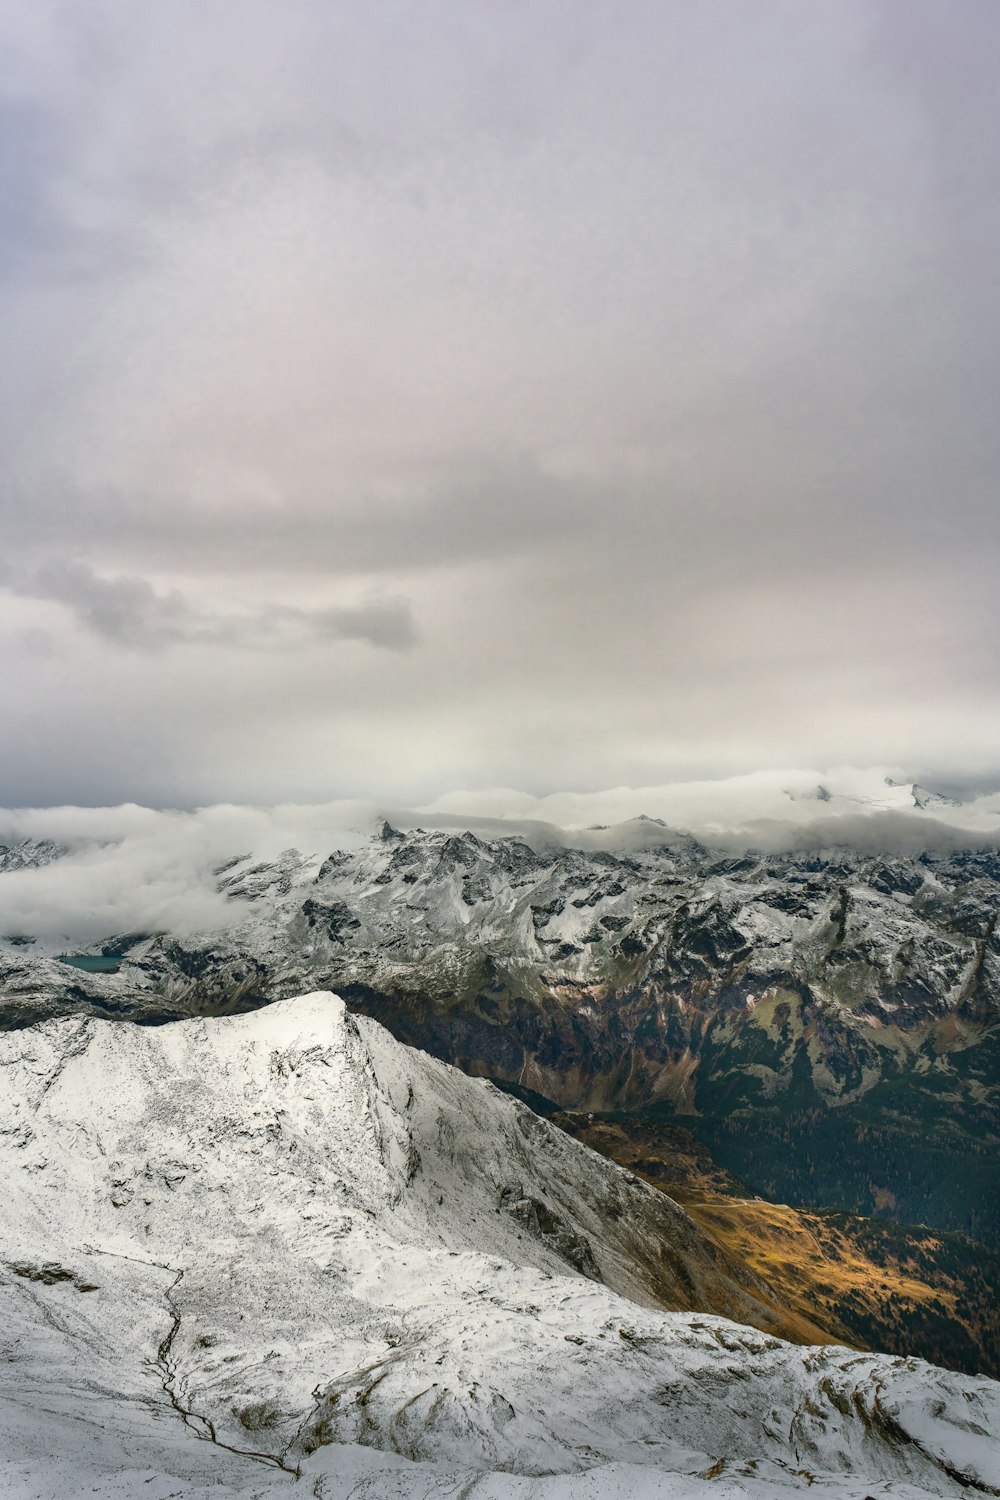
<point>234,1246</point>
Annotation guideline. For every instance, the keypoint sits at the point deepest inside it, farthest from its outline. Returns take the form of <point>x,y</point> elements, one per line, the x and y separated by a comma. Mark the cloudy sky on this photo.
<point>405,398</point>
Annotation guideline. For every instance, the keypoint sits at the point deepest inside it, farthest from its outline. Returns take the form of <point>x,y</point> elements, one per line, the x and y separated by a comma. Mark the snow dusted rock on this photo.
<point>831,992</point>
<point>599,979</point>
<point>346,1119</point>
<point>241,1250</point>
<point>808,996</point>
<point>29,854</point>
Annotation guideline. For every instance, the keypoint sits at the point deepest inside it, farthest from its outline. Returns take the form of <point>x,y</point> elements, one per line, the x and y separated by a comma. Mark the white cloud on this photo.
<point>133,869</point>
<point>771,809</point>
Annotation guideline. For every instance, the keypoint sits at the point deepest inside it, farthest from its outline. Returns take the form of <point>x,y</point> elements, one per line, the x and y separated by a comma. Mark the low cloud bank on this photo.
<point>132,868</point>
<point>136,869</point>
<point>738,807</point>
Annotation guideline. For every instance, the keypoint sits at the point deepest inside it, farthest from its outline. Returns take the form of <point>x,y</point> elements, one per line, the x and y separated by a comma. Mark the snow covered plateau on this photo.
<point>282,1253</point>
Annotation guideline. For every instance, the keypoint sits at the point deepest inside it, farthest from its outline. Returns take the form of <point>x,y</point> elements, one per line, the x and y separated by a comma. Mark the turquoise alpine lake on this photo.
<point>93,963</point>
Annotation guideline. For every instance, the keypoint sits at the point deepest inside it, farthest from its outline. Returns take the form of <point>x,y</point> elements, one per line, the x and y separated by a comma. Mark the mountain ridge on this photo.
<point>849,992</point>
<point>273,1235</point>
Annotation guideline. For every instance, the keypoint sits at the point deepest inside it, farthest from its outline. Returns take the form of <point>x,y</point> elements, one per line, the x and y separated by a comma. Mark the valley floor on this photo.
<point>869,1282</point>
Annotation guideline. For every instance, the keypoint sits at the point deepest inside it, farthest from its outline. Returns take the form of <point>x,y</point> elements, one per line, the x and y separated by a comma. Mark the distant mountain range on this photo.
<point>858,995</point>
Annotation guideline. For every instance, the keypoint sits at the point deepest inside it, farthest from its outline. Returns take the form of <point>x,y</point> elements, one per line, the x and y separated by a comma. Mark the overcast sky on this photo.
<point>399,398</point>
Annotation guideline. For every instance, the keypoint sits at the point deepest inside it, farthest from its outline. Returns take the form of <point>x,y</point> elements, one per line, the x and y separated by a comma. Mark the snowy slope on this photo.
<point>285,1233</point>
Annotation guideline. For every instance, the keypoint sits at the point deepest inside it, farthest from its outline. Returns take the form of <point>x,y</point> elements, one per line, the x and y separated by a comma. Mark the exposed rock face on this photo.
<point>844,1006</point>
<point>29,854</point>
<point>230,1244</point>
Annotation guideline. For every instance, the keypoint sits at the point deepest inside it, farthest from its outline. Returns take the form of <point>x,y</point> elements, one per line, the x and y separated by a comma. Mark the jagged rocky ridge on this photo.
<point>30,854</point>
<point>232,1247</point>
<point>828,1021</point>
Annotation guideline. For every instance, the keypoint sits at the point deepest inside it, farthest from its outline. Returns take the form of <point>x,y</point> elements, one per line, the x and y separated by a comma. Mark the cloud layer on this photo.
<point>131,868</point>
<point>400,398</point>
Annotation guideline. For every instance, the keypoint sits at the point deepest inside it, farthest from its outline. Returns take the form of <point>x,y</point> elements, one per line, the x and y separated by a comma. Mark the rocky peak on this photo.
<point>243,1250</point>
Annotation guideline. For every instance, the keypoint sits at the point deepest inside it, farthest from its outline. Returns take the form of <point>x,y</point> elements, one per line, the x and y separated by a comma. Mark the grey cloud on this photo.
<point>129,612</point>
<point>386,623</point>
<point>864,833</point>
<point>645,355</point>
<point>875,833</point>
<point>125,610</point>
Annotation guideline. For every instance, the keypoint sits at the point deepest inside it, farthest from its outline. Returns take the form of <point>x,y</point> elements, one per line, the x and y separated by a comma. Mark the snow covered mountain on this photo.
<point>30,854</point>
<point>835,998</point>
<point>282,1253</point>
